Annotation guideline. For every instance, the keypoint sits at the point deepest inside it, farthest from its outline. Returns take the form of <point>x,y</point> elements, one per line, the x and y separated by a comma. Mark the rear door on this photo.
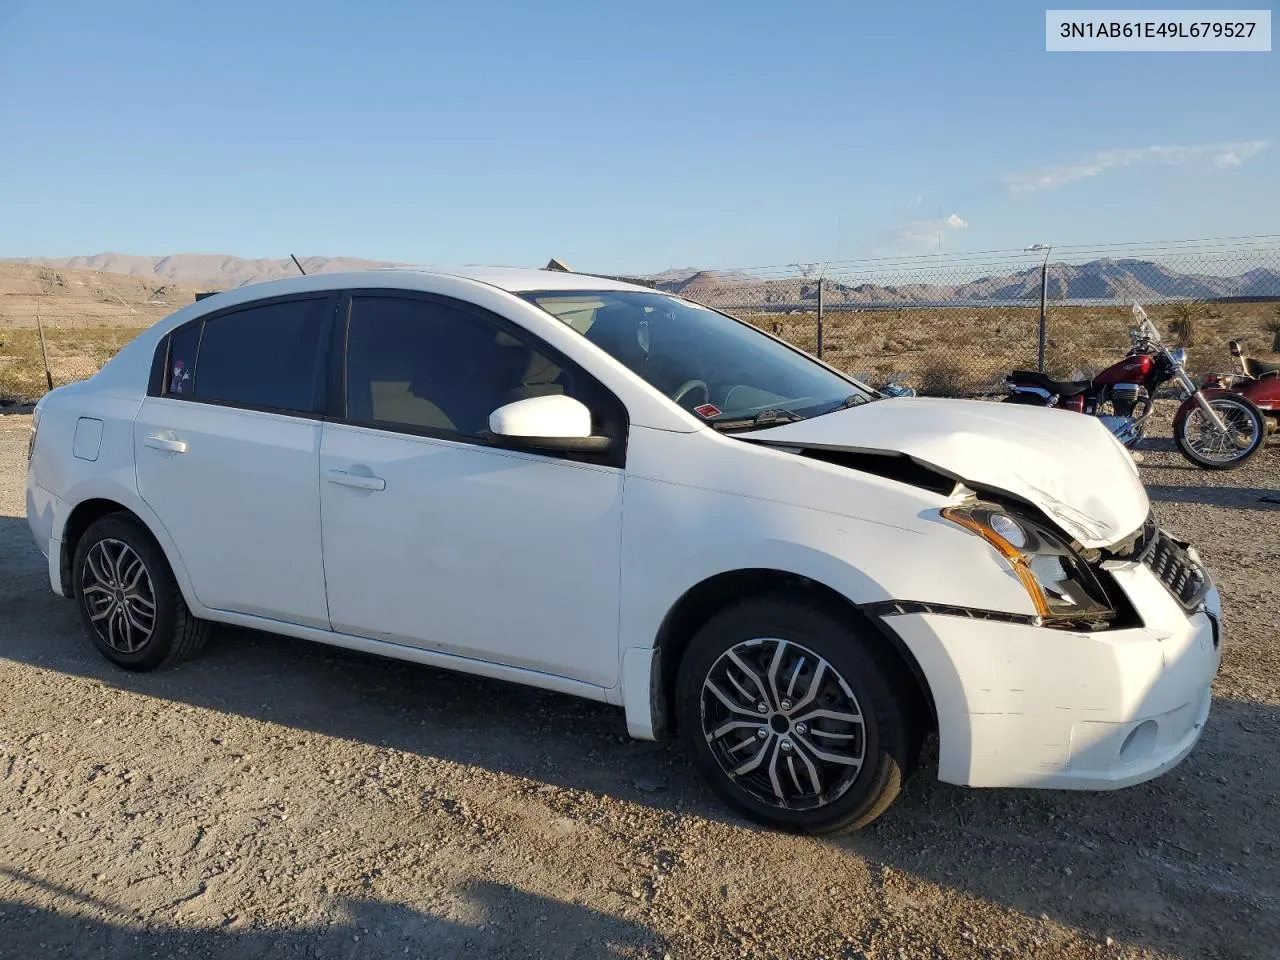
<point>439,536</point>
<point>227,450</point>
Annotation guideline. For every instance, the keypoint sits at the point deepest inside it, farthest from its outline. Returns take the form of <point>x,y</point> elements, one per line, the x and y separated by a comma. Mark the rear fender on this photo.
<point>1264,391</point>
<point>1028,394</point>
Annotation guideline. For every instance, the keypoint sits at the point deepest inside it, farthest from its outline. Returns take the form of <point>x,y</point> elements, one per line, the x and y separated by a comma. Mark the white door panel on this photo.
<point>494,554</point>
<point>238,491</point>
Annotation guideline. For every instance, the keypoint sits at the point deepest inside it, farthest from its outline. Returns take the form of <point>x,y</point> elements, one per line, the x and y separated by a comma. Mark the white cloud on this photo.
<point>915,202</point>
<point>919,236</point>
<point>1219,155</point>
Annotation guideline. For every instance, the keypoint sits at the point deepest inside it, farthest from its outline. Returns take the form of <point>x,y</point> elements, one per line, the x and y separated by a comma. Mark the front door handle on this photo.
<point>356,480</point>
<point>166,444</point>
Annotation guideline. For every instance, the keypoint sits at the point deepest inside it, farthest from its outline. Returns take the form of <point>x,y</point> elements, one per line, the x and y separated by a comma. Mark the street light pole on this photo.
<point>1044,292</point>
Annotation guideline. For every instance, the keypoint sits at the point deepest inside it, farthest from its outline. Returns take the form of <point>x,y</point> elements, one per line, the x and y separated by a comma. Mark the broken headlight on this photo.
<point>1060,584</point>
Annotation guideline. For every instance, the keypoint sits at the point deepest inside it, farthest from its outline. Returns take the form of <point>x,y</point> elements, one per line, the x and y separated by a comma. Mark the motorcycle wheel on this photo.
<point>1200,443</point>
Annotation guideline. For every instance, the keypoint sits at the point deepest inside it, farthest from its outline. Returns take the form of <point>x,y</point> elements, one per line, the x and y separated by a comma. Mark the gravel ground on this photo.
<point>274,798</point>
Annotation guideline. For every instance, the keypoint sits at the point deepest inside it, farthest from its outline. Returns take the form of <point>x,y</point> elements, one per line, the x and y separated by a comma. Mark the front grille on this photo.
<point>1174,567</point>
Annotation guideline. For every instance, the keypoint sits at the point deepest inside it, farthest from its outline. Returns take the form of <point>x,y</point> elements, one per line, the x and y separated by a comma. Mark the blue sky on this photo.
<point>615,136</point>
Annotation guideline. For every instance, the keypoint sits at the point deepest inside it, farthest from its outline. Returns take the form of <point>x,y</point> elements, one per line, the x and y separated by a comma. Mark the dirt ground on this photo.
<point>278,799</point>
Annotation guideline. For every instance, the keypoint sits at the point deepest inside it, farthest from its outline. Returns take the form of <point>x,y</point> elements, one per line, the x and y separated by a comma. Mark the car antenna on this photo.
<point>297,264</point>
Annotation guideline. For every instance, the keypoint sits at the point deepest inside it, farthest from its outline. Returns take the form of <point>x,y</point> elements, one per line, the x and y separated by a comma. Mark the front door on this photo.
<point>439,537</point>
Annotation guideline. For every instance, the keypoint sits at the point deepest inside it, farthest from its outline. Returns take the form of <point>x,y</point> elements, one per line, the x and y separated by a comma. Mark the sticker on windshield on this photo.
<point>707,411</point>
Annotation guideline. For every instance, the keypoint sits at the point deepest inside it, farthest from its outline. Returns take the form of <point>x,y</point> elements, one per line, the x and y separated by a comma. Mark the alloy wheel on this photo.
<point>783,724</point>
<point>118,595</point>
<point>1221,446</point>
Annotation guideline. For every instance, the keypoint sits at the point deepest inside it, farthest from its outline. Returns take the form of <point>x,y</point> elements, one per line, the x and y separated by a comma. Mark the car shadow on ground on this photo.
<point>69,923</point>
<point>1238,498</point>
<point>1159,864</point>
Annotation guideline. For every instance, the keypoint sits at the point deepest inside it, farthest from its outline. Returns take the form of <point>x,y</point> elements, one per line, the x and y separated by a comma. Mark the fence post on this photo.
<point>44,351</point>
<point>1044,289</point>
<point>819,318</point>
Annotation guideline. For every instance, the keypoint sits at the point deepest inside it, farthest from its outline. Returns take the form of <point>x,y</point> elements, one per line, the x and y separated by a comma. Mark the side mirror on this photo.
<point>554,422</point>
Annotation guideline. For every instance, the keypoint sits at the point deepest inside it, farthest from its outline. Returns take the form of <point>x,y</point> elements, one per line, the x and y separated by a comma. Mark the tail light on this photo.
<point>35,425</point>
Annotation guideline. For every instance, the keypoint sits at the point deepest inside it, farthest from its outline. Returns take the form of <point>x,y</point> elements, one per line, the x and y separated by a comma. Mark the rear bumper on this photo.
<point>46,514</point>
<point>1025,706</point>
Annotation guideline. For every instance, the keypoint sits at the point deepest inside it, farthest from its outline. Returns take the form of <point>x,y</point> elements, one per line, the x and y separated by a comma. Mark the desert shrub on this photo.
<point>75,353</point>
<point>1185,321</point>
<point>1272,327</point>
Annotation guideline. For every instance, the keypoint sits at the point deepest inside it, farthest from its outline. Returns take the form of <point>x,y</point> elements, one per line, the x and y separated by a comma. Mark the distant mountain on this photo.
<point>1100,280</point>
<point>206,270</point>
<point>1105,280</point>
<point>1121,279</point>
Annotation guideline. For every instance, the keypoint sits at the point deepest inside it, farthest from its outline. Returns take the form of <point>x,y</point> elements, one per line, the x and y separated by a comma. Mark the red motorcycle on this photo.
<point>1258,382</point>
<point>1215,428</point>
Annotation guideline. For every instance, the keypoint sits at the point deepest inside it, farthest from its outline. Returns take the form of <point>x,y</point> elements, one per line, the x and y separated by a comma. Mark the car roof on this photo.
<point>509,279</point>
<point>513,280</point>
<point>520,279</point>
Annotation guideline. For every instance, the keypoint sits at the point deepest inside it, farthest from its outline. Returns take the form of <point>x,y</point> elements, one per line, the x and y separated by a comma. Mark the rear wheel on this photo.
<point>794,717</point>
<point>129,601</point>
<point>1206,446</point>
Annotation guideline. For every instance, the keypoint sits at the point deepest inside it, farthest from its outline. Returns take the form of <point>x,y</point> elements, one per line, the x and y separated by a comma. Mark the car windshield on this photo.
<point>722,370</point>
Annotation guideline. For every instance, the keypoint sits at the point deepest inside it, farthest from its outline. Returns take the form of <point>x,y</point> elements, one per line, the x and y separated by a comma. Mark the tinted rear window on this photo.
<point>263,356</point>
<point>182,360</point>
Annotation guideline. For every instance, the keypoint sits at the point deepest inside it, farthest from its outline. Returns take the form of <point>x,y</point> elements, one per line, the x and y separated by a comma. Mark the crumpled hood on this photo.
<point>1065,463</point>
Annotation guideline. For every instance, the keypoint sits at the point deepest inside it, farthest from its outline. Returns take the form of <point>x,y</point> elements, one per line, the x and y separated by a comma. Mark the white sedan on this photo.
<point>600,489</point>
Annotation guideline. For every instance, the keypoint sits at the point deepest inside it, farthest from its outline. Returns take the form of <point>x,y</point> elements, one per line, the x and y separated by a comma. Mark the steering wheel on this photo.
<point>689,386</point>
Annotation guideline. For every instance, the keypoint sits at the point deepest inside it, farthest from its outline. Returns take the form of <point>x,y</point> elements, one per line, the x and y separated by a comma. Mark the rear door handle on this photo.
<point>356,480</point>
<point>166,444</point>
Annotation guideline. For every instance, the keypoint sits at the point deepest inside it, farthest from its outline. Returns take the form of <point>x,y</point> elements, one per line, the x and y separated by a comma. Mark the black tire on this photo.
<point>174,633</point>
<point>1239,407</point>
<point>889,737</point>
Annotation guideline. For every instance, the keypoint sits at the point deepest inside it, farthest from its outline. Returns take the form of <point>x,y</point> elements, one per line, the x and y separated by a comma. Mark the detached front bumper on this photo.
<point>1026,706</point>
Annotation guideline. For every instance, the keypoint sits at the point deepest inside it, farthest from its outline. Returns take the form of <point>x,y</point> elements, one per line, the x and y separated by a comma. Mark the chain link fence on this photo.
<point>60,326</point>
<point>946,325</point>
<point>955,325</point>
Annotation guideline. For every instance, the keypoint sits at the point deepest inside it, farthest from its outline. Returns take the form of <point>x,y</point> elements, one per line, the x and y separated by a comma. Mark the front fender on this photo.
<point>925,559</point>
<point>1209,393</point>
<point>922,557</point>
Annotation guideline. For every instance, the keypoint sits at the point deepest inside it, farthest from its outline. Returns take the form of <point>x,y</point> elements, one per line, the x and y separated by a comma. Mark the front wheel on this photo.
<point>794,716</point>
<point>1205,445</point>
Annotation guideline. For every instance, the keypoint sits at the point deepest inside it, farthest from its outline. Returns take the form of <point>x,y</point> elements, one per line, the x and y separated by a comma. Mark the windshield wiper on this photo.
<point>770,417</point>
<point>852,400</point>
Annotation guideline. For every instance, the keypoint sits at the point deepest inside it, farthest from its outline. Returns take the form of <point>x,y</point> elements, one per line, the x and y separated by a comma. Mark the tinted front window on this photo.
<point>705,361</point>
<point>263,356</point>
<point>421,364</point>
